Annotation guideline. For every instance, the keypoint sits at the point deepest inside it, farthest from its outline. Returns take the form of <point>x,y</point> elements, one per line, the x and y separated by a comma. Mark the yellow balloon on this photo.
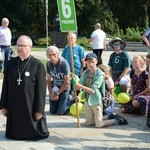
<point>115,95</point>
<point>81,98</point>
<point>73,109</point>
<point>123,98</point>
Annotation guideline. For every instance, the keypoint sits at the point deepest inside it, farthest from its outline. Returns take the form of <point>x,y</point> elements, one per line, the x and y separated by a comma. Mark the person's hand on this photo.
<point>135,96</point>
<point>72,75</point>
<point>74,81</point>
<point>117,82</point>
<point>38,115</point>
<point>4,112</point>
<point>54,97</point>
<point>148,45</point>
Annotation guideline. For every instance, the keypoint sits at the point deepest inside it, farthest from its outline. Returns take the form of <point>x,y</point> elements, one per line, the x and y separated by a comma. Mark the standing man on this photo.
<point>146,39</point>
<point>58,81</point>
<point>98,37</point>
<point>5,42</point>
<point>78,55</point>
<point>23,95</point>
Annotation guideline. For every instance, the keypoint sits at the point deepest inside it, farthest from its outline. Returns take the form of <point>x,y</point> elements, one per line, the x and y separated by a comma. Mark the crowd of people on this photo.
<point>25,82</point>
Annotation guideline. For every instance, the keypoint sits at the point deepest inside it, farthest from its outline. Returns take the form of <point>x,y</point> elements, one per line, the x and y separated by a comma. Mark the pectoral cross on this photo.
<point>19,80</point>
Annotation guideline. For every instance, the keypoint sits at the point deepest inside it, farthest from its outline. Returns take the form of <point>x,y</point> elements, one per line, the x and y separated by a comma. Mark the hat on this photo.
<point>90,56</point>
<point>123,44</point>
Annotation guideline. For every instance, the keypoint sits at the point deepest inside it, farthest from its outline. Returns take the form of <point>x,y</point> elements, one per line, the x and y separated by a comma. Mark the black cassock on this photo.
<point>22,101</point>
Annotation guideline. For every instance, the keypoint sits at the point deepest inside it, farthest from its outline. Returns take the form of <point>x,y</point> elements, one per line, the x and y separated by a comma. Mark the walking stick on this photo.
<point>75,92</point>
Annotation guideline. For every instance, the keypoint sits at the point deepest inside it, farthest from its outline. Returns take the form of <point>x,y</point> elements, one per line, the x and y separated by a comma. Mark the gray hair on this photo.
<point>52,49</point>
<point>5,19</point>
<point>72,35</point>
<point>28,38</point>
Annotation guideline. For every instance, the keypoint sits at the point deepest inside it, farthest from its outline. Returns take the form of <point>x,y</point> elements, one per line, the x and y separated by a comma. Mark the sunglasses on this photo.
<point>116,44</point>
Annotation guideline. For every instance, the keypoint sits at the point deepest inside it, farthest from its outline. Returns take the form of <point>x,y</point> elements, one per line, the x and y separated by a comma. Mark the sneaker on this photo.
<point>148,121</point>
<point>120,120</point>
<point>111,116</point>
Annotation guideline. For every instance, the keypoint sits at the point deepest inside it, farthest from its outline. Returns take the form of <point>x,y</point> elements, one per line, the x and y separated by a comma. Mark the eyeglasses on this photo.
<point>22,46</point>
<point>116,44</point>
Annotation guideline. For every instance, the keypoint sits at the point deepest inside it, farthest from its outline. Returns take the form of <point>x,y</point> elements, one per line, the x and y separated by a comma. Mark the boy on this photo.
<point>92,82</point>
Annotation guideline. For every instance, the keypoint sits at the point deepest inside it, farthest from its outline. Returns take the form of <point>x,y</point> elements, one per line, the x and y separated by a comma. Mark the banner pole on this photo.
<point>75,91</point>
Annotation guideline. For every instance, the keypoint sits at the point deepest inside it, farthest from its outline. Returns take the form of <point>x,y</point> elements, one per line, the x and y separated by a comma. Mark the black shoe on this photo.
<point>120,120</point>
<point>111,116</point>
<point>148,121</point>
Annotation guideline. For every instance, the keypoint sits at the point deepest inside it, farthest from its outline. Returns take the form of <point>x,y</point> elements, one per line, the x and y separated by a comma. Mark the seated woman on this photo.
<point>138,90</point>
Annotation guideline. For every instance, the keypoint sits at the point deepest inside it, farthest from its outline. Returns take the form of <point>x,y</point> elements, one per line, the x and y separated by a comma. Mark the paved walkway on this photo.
<point>65,134</point>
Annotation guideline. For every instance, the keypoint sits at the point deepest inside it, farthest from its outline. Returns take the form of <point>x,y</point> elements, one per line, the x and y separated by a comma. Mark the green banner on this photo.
<point>67,15</point>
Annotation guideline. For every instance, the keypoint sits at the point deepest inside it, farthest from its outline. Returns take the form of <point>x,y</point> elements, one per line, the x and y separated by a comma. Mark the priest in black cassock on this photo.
<point>23,95</point>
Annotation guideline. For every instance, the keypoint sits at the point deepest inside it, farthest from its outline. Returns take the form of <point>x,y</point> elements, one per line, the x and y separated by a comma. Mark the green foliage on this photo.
<point>133,34</point>
<point>44,61</point>
<point>43,41</point>
<point>28,17</point>
<point>82,42</point>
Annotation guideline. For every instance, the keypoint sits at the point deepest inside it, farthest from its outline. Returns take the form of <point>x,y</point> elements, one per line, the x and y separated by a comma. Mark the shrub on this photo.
<point>43,41</point>
<point>131,34</point>
<point>82,42</point>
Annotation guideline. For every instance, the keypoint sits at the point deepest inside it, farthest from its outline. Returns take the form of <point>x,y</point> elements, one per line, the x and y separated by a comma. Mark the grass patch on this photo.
<point>34,48</point>
<point>1,76</point>
<point>44,61</point>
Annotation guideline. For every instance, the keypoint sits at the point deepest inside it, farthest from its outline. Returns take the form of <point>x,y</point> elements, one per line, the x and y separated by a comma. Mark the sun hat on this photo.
<point>123,44</point>
<point>90,56</point>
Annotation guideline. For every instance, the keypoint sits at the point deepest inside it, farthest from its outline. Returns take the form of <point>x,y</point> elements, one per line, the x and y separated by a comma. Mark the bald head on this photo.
<point>25,38</point>
<point>97,26</point>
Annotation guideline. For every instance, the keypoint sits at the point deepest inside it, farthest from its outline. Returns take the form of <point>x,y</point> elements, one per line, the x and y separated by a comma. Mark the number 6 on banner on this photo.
<point>67,15</point>
<point>66,9</point>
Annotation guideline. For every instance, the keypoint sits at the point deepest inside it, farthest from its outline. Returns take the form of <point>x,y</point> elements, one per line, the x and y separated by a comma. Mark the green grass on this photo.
<point>44,61</point>
<point>35,48</point>
<point>1,75</point>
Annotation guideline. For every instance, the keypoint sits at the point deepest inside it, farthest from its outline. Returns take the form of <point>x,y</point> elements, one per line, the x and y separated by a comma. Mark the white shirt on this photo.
<point>98,37</point>
<point>5,36</point>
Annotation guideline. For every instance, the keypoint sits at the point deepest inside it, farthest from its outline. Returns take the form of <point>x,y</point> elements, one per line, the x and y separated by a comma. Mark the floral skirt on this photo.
<point>144,101</point>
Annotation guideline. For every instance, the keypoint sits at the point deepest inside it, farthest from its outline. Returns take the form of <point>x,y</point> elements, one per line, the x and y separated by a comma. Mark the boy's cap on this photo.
<point>90,56</point>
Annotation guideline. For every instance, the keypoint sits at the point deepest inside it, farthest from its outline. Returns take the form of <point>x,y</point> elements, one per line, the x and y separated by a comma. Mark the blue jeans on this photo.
<point>60,106</point>
<point>6,55</point>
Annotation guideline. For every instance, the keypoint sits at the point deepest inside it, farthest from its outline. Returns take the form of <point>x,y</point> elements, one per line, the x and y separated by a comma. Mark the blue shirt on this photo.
<point>147,32</point>
<point>78,56</point>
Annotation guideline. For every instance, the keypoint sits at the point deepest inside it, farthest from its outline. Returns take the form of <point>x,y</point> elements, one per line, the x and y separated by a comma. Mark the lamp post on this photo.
<point>46,22</point>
